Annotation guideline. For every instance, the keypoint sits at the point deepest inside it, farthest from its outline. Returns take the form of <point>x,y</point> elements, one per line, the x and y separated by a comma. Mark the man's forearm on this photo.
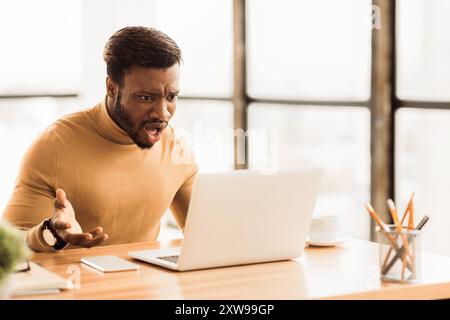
<point>35,240</point>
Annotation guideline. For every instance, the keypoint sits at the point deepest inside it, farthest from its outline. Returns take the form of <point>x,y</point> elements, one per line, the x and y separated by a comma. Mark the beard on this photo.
<point>133,129</point>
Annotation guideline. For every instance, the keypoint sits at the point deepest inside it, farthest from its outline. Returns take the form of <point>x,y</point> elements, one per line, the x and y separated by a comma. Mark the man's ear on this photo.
<point>111,88</point>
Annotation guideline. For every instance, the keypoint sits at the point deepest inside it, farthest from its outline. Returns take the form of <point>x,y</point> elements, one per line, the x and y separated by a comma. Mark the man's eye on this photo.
<point>172,97</point>
<point>145,98</point>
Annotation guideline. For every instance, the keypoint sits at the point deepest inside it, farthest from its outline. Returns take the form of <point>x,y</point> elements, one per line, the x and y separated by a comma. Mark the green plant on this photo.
<point>12,249</point>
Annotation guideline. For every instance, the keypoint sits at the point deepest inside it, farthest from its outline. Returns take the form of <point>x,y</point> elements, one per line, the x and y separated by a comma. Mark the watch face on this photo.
<point>49,237</point>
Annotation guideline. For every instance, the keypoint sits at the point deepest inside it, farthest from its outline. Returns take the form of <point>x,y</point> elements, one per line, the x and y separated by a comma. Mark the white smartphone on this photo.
<point>109,263</point>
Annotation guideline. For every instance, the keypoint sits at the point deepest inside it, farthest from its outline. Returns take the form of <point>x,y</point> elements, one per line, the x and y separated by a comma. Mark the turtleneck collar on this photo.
<point>108,128</point>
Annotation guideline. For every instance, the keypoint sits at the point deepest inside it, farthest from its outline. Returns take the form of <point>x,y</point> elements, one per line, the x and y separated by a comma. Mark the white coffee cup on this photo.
<point>325,228</point>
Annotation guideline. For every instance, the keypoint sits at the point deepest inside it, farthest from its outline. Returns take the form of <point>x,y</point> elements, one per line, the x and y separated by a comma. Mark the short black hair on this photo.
<point>139,46</point>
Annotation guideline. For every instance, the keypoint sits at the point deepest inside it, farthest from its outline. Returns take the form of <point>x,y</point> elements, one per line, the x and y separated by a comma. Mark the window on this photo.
<point>336,139</point>
<point>423,47</point>
<point>40,75</point>
<point>41,53</point>
<point>21,120</point>
<point>309,80</point>
<point>423,155</point>
<point>309,50</point>
<point>208,126</point>
<point>203,30</point>
<point>422,149</point>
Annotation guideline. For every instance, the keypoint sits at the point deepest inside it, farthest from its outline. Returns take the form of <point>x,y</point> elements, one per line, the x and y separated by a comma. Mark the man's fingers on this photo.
<point>96,231</point>
<point>87,240</point>
<point>77,239</point>
<point>97,240</point>
<point>61,198</point>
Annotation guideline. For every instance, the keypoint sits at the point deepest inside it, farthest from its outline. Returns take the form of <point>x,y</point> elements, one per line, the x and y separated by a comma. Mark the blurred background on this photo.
<point>306,72</point>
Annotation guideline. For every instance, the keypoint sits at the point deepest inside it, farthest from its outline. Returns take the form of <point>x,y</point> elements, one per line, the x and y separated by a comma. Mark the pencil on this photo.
<point>394,215</point>
<point>375,217</point>
<point>411,227</point>
<point>385,228</point>
<point>407,207</point>
<point>398,229</point>
<point>411,215</point>
<point>419,227</point>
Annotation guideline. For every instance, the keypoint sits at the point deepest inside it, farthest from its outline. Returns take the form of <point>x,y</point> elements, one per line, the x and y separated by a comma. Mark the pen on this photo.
<point>422,222</point>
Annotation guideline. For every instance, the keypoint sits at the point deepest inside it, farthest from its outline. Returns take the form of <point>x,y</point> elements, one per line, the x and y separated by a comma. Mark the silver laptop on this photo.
<point>242,217</point>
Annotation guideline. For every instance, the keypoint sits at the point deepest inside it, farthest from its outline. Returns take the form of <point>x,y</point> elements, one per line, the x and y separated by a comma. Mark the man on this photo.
<point>106,175</point>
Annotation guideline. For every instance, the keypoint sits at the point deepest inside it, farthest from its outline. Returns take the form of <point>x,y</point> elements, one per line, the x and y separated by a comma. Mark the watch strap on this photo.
<point>60,243</point>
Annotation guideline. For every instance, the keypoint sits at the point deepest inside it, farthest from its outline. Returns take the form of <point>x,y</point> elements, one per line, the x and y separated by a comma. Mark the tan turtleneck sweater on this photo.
<point>109,181</point>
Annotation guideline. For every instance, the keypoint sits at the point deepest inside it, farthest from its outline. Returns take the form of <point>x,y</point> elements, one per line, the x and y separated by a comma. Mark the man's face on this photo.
<point>145,102</point>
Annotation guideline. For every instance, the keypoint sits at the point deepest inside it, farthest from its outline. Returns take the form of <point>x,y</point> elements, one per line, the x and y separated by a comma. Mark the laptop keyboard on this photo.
<point>173,259</point>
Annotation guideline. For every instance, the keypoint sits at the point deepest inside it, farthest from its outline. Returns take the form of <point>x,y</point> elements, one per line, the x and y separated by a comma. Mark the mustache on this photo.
<point>154,123</point>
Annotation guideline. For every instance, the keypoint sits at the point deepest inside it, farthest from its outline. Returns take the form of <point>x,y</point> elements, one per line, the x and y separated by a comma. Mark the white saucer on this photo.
<point>338,241</point>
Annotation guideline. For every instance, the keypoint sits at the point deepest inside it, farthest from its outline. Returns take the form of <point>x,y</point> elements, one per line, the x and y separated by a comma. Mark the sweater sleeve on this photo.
<point>32,200</point>
<point>180,203</point>
<point>186,162</point>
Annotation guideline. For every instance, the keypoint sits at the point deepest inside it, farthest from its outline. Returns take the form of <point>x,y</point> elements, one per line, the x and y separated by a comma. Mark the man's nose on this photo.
<point>161,111</point>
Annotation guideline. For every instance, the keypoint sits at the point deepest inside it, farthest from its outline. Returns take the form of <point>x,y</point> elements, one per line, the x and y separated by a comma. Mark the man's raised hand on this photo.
<point>67,227</point>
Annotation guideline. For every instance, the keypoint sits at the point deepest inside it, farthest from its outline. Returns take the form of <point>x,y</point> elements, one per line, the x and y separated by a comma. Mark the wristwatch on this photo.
<point>51,238</point>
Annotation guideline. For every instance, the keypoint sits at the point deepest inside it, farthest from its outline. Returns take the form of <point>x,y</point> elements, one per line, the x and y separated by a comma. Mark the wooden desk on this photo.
<point>345,272</point>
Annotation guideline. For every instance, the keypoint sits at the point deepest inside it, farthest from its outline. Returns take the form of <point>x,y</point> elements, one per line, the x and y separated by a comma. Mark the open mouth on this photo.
<point>153,130</point>
<point>150,130</point>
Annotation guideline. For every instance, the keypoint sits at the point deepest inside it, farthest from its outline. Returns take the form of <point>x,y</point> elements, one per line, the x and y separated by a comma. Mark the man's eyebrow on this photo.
<point>156,93</point>
<point>147,93</point>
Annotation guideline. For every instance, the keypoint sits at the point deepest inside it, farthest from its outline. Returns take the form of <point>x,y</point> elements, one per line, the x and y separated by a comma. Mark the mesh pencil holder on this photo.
<point>400,254</point>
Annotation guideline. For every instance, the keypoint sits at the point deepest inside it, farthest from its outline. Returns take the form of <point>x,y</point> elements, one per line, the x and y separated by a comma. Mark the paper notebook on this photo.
<point>37,281</point>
